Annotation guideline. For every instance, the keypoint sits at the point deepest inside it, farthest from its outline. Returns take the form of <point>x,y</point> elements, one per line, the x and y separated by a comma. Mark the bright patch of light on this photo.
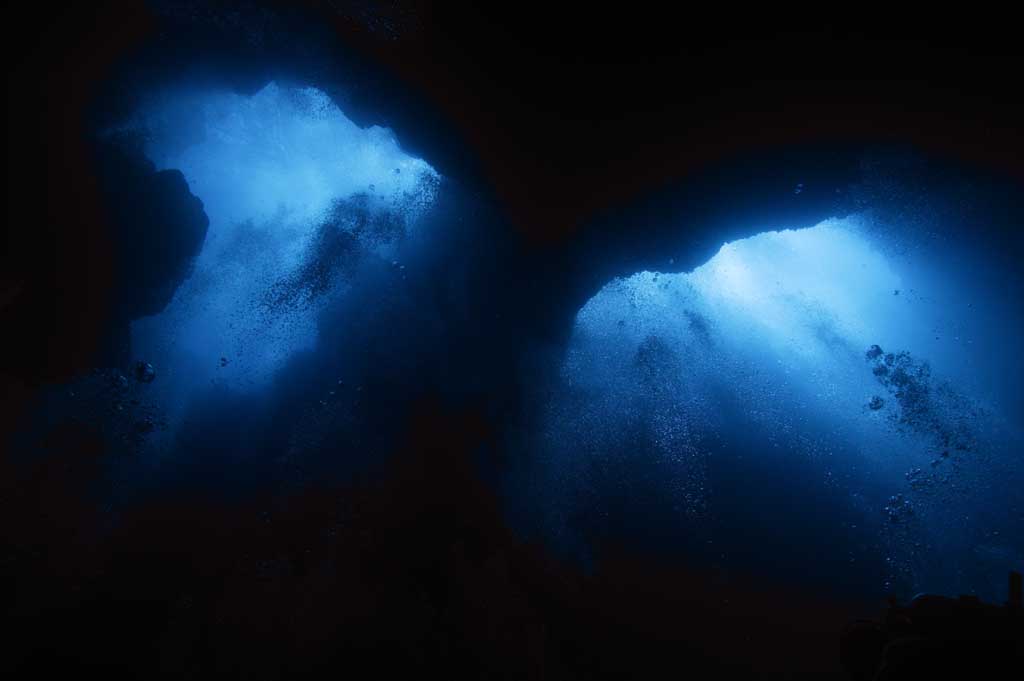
<point>269,169</point>
<point>283,152</point>
<point>776,283</point>
<point>767,351</point>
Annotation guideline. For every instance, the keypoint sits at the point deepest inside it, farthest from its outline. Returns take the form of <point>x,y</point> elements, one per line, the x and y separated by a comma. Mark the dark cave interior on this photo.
<point>363,510</point>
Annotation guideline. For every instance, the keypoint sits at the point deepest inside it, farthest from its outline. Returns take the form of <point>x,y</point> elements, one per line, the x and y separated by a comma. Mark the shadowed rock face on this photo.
<point>158,228</point>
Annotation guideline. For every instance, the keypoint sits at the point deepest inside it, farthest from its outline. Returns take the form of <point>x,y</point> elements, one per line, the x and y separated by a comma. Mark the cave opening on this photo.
<point>298,198</point>
<point>828,386</point>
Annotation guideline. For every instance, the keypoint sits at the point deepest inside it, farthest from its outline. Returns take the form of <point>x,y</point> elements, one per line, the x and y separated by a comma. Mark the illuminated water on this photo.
<point>287,180</point>
<point>821,403</point>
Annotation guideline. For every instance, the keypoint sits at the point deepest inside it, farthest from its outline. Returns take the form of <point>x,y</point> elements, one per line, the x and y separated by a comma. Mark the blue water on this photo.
<point>827,404</point>
<point>835,404</point>
<point>286,180</point>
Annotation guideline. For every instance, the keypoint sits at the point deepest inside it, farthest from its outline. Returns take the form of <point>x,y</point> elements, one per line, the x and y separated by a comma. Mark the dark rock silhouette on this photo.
<point>935,637</point>
<point>158,227</point>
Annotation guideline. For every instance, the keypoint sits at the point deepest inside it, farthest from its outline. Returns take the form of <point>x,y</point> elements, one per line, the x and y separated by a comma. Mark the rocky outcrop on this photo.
<point>157,227</point>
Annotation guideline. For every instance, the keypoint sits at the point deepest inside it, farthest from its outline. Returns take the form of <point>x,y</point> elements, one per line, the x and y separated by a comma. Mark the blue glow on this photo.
<point>764,353</point>
<point>270,169</point>
<point>282,150</point>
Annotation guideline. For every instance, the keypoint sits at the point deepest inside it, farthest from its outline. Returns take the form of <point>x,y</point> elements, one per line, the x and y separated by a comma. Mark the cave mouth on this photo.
<point>821,389</point>
<point>298,199</point>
